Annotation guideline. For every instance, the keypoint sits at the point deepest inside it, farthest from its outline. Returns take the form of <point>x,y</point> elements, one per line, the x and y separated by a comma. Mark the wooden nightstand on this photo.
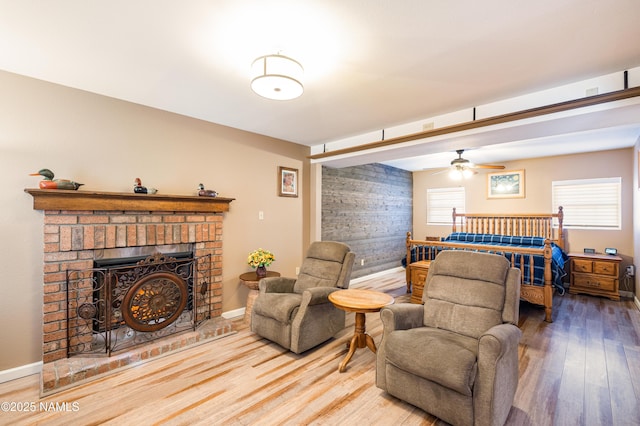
<point>419,271</point>
<point>595,274</point>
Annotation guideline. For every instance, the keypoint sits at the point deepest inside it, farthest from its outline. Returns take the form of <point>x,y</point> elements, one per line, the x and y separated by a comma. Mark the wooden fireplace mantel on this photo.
<point>59,199</point>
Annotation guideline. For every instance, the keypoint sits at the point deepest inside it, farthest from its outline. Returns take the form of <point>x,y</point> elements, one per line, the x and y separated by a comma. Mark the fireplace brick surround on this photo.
<point>72,237</point>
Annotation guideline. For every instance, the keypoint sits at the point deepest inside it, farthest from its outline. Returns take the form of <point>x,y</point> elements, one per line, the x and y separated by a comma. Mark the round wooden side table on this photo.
<point>251,280</point>
<point>360,302</point>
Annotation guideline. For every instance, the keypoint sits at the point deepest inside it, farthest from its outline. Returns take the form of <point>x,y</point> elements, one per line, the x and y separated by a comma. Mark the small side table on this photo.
<point>360,302</point>
<point>251,280</point>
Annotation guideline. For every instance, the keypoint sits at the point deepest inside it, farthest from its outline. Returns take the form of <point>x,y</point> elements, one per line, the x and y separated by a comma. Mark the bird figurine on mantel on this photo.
<point>139,189</point>
<point>48,182</point>
<point>206,192</point>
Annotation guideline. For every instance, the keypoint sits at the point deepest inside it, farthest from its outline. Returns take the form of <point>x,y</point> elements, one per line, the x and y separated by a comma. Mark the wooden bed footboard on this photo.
<point>421,250</point>
<point>535,225</point>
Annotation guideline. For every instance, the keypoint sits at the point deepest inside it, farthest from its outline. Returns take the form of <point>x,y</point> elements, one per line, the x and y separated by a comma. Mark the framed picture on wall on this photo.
<point>287,182</point>
<point>505,184</point>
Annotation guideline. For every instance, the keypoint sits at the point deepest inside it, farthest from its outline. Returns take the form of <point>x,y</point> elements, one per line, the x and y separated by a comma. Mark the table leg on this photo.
<point>359,340</point>
<point>352,349</point>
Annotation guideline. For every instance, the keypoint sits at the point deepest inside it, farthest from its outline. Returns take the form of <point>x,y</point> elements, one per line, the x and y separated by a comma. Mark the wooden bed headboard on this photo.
<point>527,225</point>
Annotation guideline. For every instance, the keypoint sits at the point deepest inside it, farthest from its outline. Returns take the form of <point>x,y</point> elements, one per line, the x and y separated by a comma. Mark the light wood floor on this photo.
<point>583,369</point>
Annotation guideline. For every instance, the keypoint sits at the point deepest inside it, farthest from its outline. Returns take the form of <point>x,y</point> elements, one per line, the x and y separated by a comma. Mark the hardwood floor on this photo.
<point>583,369</point>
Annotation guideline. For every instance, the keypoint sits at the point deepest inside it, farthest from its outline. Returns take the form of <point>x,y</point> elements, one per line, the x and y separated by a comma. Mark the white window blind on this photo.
<point>589,203</point>
<point>440,204</point>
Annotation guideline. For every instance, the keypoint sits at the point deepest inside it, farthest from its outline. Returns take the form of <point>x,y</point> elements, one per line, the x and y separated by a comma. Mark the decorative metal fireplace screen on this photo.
<point>114,308</point>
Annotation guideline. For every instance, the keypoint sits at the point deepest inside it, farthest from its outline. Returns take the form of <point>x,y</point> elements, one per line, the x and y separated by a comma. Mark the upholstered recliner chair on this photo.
<point>456,356</point>
<point>296,313</point>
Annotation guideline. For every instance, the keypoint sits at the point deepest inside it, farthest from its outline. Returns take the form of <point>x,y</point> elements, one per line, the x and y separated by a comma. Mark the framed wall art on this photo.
<point>505,184</point>
<point>287,182</point>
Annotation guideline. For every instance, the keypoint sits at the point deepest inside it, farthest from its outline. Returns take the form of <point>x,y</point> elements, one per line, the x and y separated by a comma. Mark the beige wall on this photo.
<point>107,143</point>
<point>539,173</point>
<point>636,209</point>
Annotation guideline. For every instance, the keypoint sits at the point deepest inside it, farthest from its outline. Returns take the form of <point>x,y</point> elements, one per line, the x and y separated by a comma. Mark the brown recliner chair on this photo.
<point>296,313</point>
<point>456,356</point>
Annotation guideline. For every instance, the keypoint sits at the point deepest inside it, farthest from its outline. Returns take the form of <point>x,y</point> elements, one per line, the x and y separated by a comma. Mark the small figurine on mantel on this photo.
<point>139,189</point>
<point>206,192</point>
<point>49,182</point>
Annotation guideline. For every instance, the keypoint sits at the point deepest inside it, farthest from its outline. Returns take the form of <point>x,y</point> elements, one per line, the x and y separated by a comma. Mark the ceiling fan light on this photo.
<point>277,77</point>
<point>455,174</point>
<point>467,173</point>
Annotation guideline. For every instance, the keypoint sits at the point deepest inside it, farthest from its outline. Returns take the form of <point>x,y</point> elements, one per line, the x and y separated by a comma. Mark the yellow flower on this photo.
<point>260,257</point>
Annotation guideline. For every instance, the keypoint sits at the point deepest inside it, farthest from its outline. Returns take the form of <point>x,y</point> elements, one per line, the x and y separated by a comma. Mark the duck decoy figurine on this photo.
<point>206,192</point>
<point>139,189</point>
<point>48,182</point>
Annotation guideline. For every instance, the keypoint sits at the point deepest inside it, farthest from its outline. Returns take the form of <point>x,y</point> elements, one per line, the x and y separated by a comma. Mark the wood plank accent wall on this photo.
<point>370,208</point>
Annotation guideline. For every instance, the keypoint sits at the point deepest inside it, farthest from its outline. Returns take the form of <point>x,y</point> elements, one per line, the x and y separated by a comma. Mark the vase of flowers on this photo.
<point>260,259</point>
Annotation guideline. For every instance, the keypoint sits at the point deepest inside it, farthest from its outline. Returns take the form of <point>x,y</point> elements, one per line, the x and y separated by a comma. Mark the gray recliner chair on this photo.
<point>456,356</point>
<point>296,313</point>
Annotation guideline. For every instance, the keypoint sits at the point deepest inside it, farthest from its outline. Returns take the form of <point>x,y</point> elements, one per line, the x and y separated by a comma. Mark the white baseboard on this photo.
<point>376,274</point>
<point>234,313</point>
<point>19,372</point>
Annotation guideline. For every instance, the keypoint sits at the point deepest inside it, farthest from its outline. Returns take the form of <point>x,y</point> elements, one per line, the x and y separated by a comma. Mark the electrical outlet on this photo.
<point>361,262</point>
<point>260,215</point>
<point>297,270</point>
<point>631,270</point>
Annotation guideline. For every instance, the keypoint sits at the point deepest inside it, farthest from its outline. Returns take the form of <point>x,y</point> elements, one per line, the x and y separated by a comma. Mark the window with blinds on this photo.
<point>589,203</point>
<point>440,204</point>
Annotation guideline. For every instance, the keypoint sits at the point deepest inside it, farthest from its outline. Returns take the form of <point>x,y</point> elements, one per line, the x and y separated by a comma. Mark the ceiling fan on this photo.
<point>463,168</point>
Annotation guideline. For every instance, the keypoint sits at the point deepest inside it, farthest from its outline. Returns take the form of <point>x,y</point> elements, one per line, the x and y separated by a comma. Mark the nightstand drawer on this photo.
<point>419,276</point>
<point>580,265</point>
<point>590,281</point>
<point>605,268</point>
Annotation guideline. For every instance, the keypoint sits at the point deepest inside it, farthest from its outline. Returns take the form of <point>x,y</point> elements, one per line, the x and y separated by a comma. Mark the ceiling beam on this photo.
<point>490,121</point>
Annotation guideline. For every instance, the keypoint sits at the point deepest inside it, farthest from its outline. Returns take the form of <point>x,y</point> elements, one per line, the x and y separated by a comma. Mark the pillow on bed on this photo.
<point>496,239</point>
<point>525,241</point>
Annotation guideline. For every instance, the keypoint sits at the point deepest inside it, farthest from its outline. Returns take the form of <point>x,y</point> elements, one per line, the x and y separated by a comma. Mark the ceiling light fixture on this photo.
<point>459,172</point>
<point>277,77</point>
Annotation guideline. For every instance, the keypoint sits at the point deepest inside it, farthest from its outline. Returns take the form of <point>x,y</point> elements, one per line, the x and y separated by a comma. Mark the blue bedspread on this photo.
<point>558,256</point>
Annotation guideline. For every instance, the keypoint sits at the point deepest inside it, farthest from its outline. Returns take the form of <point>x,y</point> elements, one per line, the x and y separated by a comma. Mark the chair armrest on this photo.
<point>497,376</point>
<point>276,285</point>
<point>402,316</point>
<point>498,340</point>
<point>317,295</point>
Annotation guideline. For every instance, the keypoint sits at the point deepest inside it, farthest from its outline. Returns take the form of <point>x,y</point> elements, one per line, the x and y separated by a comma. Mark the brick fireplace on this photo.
<point>79,226</point>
